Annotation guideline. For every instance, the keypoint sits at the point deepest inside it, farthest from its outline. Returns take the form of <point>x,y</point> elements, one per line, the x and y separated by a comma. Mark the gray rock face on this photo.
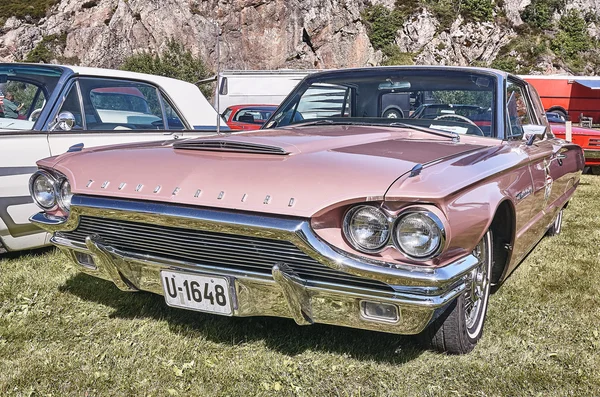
<point>255,34</point>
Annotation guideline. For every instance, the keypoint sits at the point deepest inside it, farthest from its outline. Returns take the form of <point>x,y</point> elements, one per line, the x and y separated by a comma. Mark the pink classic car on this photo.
<point>332,213</point>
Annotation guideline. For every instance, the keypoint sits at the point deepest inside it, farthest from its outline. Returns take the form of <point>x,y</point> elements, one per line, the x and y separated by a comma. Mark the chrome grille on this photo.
<point>252,254</point>
<point>228,146</point>
<point>594,142</point>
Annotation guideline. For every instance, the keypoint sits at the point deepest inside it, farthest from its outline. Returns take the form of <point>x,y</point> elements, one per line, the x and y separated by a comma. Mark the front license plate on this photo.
<point>194,292</point>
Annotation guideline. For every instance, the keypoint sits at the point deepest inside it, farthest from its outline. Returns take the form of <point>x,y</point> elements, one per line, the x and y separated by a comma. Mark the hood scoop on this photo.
<point>215,145</point>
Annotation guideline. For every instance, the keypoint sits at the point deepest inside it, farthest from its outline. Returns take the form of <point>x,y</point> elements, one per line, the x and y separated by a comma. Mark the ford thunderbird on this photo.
<point>55,107</point>
<point>333,212</point>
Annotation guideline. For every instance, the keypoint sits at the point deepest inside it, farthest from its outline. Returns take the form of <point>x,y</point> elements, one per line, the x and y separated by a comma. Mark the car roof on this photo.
<point>496,72</point>
<point>186,96</point>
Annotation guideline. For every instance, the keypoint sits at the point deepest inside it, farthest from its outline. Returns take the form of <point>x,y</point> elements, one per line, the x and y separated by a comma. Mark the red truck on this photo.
<point>571,96</point>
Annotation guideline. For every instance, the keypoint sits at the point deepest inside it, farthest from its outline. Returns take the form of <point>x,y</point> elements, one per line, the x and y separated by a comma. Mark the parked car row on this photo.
<point>331,213</point>
<point>62,106</point>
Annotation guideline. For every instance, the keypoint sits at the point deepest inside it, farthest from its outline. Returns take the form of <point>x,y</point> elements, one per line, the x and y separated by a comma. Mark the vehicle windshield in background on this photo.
<point>455,101</point>
<point>254,115</point>
<point>24,92</point>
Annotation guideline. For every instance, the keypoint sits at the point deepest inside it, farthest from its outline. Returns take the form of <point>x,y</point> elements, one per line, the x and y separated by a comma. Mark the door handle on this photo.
<point>559,157</point>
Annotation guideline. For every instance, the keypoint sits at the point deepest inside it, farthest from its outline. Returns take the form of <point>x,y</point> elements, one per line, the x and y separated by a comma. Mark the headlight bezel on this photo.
<point>60,198</point>
<point>57,180</point>
<point>52,179</point>
<point>437,222</point>
<point>352,241</point>
<point>393,218</point>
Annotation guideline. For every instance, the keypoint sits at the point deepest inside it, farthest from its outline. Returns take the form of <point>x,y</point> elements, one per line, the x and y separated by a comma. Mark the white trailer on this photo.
<point>268,87</point>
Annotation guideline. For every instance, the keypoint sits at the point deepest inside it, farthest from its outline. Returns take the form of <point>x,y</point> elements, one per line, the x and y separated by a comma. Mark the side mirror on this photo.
<point>64,122</point>
<point>533,132</point>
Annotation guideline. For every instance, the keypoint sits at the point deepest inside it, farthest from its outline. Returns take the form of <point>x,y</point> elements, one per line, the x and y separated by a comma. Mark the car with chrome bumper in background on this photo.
<point>247,117</point>
<point>588,139</point>
<point>62,106</point>
<point>332,213</point>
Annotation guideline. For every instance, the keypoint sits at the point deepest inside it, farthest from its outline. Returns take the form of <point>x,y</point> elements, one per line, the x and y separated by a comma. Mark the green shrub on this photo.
<point>174,61</point>
<point>393,56</point>
<point>572,37</point>
<point>477,10</point>
<point>522,54</point>
<point>36,9</point>
<point>445,11</point>
<point>539,13</point>
<point>46,50</point>
<point>382,25</point>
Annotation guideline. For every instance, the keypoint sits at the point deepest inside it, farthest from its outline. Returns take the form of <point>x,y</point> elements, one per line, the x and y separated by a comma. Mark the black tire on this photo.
<point>458,329</point>
<point>393,114</point>
<point>595,170</point>
<point>561,112</point>
<point>556,227</point>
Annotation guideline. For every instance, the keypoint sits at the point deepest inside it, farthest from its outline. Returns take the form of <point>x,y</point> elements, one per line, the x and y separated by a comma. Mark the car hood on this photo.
<point>560,130</point>
<point>292,171</point>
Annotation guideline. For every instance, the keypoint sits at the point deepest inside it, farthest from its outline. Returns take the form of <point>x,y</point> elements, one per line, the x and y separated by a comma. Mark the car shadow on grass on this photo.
<point>279,334</point>
<point>21,254</point>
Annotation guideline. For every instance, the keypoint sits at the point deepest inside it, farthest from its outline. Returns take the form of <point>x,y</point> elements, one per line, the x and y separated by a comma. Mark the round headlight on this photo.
<point>65,195</point>
<point>42,190</point>
<point>419,234</point>
<point>367,228</point>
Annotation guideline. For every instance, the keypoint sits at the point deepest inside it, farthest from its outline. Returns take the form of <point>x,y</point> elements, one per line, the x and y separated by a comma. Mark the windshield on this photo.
<point>24,92</point>
<point>448,100</point>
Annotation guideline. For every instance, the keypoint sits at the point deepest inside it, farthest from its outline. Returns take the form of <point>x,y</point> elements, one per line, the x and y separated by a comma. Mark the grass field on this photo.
<point>67,334</point>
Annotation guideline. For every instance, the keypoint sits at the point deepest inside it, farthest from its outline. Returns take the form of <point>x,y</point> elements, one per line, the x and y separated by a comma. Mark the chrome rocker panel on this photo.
<point>417,291</point>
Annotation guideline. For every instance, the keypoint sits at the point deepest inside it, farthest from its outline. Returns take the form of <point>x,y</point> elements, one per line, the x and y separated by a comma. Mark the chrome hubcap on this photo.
<point>477,286</point>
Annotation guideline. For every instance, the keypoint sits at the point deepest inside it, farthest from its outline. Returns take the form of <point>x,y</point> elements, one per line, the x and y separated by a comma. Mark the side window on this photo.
<point>520,119</point>
<point>112,104</point>
<point>73,106</point>
<point>173,118</point>
<point>324,100</point>
<point>21,100</point>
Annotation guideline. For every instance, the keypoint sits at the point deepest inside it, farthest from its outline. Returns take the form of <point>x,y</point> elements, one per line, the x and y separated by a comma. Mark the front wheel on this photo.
<point>458,329</point>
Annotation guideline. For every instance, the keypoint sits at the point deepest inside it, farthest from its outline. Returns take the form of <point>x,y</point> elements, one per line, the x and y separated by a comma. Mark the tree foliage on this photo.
<point>477,10</point>
<point>539,13</point>
<point>174,61</point>
<point>382,25</point>
<point>573,36</point>
<point>46,50</point>
<point>35,9</point>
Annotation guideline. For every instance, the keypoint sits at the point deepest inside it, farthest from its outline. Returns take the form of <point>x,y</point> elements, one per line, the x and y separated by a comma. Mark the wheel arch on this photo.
<point>393,107</point>
<point>503,237</point>
<point>558,109</point>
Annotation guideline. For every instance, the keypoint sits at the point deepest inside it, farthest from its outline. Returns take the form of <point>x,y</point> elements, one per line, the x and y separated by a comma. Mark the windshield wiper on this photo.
<point>448,134</point>
<point>324,122</point>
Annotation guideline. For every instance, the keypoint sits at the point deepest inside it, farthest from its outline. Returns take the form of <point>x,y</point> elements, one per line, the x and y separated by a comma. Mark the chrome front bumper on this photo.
<point>417,292</point>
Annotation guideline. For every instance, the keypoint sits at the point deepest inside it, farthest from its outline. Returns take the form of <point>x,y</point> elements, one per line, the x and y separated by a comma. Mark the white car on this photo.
<point>62,106</point>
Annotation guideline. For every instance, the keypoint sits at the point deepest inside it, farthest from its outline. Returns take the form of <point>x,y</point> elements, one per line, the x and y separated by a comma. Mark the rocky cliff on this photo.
<point>271,34</point>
